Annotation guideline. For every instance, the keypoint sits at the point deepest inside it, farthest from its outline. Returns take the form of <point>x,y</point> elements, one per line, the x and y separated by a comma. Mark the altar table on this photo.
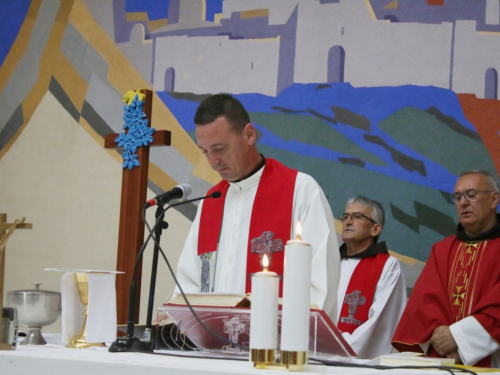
<point>56,359</point>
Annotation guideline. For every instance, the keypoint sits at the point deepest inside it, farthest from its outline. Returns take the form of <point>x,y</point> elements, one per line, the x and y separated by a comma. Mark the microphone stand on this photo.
<point>160,225</point>
<point>130,343</point>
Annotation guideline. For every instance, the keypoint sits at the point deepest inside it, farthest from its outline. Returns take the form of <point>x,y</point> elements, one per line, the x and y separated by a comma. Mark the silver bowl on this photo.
<point>35,308</point>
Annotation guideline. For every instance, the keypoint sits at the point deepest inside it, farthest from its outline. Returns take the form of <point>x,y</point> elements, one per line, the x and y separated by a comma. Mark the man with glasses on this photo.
<point>372,291</point>
<point>454,309</point>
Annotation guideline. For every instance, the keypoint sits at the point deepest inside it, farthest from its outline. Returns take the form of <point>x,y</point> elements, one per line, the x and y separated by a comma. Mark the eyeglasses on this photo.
<point>355,216</point>
<point>470,195</point>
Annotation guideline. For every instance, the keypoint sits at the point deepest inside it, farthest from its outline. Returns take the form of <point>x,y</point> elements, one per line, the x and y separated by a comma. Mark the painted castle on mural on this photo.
<point>265,46</point>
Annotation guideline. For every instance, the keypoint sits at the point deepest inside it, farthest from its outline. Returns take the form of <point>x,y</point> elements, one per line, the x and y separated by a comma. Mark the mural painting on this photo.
<point>387,99</point>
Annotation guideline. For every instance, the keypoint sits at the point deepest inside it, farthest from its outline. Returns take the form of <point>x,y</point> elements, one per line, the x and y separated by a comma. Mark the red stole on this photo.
<point>440,286</point>
<point>271,212</point>
<point>360,292</point>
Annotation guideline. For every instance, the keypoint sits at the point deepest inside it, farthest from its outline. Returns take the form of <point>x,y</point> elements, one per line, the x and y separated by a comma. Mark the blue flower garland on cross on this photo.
<point>138,134</point>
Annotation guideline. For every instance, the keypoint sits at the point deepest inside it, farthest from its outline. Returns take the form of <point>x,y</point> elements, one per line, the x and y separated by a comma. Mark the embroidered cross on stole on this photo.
<point>463,277</point>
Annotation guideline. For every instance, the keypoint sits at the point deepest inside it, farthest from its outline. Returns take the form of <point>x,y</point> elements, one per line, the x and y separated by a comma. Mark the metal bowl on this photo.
<point>36,308</point>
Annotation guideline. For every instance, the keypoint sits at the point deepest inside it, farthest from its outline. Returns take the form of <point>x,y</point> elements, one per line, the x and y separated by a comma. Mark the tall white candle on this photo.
<point>264,316</point>
<point>296,296</point>
<point>264,311</point>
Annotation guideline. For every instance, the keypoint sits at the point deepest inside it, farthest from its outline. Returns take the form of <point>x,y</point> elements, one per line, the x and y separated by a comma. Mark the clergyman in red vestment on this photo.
<point>372,291</point>
<point>454,308</point>
<point>261,201</point>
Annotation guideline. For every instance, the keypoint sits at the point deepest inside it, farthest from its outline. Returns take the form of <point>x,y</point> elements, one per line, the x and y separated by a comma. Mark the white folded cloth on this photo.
<point>101,314</point>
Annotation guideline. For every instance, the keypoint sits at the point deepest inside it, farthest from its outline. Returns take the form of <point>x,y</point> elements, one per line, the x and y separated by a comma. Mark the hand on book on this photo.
<point>442,340</point>
<point>456,356</point>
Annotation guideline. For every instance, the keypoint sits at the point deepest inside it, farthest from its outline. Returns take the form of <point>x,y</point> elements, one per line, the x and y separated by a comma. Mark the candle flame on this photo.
<point>298,229</point>
<point>265,262</point>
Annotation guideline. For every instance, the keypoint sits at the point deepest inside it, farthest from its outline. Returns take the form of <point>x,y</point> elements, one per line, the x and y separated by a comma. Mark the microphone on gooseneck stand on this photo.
<point>181,191</point>
<point>130,343</point>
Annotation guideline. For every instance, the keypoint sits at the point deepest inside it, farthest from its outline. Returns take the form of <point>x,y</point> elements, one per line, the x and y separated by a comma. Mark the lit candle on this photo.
<point>296,302</point>
<point>264,316</point>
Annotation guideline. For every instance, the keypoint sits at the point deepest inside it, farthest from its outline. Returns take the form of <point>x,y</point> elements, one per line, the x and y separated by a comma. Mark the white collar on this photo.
<point>249,182</point>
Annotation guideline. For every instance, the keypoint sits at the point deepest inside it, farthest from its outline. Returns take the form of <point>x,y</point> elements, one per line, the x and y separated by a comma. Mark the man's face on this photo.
<point>478,215</point>
<point>361,229</point>
<point>227,152</point>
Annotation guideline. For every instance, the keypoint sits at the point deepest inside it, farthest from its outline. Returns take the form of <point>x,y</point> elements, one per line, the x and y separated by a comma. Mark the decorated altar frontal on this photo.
<point>56,359</point>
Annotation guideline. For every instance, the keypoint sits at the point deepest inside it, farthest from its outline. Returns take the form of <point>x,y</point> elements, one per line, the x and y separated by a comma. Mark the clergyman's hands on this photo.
<point>442,340</point>
<point>454,354</point>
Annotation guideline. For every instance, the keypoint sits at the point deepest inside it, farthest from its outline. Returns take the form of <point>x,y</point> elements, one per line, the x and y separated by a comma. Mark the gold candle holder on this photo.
<point>294,361</point>
<point>80,341</point>
<point>263,358</point>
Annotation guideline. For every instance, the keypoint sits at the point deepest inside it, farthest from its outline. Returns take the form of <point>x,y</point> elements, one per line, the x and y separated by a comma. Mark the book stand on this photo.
<point>178,329</point>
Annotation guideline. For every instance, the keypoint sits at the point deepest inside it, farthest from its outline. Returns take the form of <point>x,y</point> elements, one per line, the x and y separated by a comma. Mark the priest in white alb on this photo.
<point>372,290</point>
<point>260,204</point>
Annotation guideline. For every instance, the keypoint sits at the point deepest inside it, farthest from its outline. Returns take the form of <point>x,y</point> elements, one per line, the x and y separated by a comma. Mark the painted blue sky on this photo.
<point>13,14</point>
<point>421,12</point>
<point>158,9</point>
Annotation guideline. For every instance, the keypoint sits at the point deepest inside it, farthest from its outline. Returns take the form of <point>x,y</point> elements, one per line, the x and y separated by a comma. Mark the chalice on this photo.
<point>35,308</point>
<point>80,341</point>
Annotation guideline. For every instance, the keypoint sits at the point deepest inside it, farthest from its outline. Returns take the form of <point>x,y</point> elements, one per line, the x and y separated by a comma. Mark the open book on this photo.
<point>212,300</point>
<point>219,300</point>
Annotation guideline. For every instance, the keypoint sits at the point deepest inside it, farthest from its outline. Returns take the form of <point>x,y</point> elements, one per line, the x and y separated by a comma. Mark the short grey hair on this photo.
<point>490,179</point>
<point>378,214</point>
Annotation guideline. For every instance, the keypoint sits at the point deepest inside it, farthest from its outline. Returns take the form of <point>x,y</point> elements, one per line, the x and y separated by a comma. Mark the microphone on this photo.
<point>215,194</point>
<point>130,343</point>
<point>179,192</point>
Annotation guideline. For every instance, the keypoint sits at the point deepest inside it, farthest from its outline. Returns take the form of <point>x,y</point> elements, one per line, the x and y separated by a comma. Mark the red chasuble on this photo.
<point>360,292</point>
<point>270,224</point>
<point>460,279</point>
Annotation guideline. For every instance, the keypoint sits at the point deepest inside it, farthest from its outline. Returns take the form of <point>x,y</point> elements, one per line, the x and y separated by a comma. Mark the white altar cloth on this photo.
<point>58,360</point>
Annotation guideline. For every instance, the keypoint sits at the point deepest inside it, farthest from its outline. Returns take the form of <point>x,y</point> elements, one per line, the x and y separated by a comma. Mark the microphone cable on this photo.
<point>450,369</point>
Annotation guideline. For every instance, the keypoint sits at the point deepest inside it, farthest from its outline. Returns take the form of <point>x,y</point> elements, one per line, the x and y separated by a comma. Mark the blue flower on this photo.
<point>138,134</point>
<point>131,162</point>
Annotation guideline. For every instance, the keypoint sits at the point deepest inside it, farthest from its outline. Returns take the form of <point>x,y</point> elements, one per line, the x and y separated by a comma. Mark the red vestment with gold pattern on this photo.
<point>461,279</point>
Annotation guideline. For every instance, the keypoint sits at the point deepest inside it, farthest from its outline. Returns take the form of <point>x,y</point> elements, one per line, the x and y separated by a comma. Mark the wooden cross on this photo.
<point>4,236</point>
<point>131,232</point>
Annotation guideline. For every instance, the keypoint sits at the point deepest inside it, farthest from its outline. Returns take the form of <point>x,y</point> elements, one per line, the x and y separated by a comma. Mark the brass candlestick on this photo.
<point>80,341</point>
<point>294,360</point>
